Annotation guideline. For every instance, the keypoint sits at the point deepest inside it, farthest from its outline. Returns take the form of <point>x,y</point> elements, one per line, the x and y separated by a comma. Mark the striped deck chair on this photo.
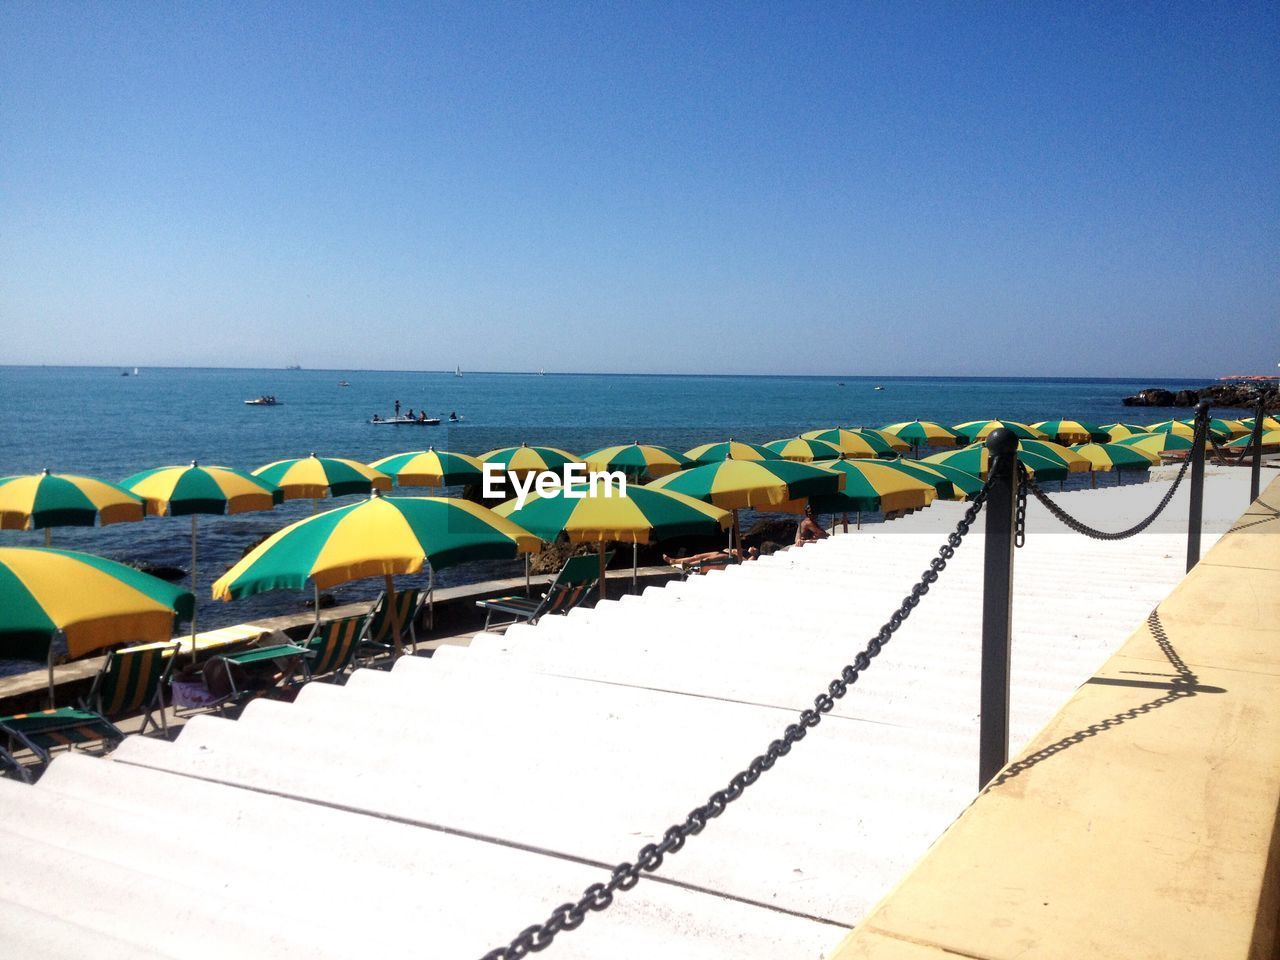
<point>333,647</point>
<point>133,680</point>
<point>378,639</point>
<point>572,585</point>
<point>46,730</point>
<point>706,566</point>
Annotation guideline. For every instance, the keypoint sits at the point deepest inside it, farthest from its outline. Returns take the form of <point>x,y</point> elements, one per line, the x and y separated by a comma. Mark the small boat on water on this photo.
<point>264,401</point>
<point>405,421</point>
<point>344,383</point>
<point>457,372</point>
<point>879,387</point>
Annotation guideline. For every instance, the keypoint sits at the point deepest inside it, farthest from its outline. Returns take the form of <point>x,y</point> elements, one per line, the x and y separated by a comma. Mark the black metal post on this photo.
<point>997,604</point>
<point>1197,484</point>
<point>1255,447</point>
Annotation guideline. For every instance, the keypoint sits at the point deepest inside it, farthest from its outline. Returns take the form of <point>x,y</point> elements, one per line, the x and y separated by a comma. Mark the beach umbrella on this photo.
<point>1073,461</point>
<point>524,459</point>
<point>870,485</point>
<point>430,468</point>
<point>730,449</point>
<point>1119,431</point>
<point>193,490</point>
<point>1072,431</point>
<point>45,500</point>
<point>312,477</point>
<point>950,483</point>
<point>1157,443</point>
<point>1186,428</point>
<point>638,460</point>
<point>979,429</point>
<point>381,536</point>
<point>734,484</point>
<point>925,433</point>
<point>895,443</point>
<point>850,443</point>
<point>804,451</point>
<point>1115,456</point>
<point>641,515</point>
<point>1237,428</point>
<point>974,459</point>
<point>1269,438</point>
<point>1268,423</point>
<point>92,602</point>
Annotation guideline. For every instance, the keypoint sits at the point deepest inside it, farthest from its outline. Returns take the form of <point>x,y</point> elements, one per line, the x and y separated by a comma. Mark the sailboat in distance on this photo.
<point>457,371</point>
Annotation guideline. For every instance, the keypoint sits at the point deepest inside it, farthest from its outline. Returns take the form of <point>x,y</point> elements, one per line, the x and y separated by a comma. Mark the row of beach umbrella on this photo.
<point>698,491</point>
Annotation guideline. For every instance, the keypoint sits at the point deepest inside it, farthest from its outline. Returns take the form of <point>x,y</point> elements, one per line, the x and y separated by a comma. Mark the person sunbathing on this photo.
<point>809,531</point>
<point>713,556</point>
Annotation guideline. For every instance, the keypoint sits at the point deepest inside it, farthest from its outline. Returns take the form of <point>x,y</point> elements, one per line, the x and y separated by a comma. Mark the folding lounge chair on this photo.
<point>706,566</point>
<point>333,647</point>
<point>46,730</point>
<point>572,585</point>
<point>132,681</point>
<point>238,691</point>
<point>10,767</point>
<point>379,638</point>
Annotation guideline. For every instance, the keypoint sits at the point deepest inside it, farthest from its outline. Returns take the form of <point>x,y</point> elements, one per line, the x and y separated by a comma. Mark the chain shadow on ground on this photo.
<point>1185,684</point>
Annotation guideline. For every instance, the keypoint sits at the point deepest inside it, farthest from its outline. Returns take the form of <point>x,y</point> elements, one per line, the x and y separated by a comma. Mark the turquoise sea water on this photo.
<point>96,422</point>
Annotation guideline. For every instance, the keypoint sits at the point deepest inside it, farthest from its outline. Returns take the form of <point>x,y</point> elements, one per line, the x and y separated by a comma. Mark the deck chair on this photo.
<point>46,730</point>
<point>333,647</point>
<point>132,681</point>
<point>574,583</point>
<point>11,767</point>
<point>238,690</point>
<point>378,638</point>
<point>705,566</point>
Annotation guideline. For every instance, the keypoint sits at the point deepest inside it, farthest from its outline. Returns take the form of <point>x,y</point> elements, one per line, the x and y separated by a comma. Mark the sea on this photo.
<point>99,422</point>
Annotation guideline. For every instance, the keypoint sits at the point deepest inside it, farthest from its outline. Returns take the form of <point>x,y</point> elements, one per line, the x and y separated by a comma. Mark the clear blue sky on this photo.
<point>891,188</point>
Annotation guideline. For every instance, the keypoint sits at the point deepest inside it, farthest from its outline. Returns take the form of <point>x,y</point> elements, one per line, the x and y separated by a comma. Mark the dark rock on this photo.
<point>172,574</point>
<point>327,600</point>
<point>1186,398</point>
<point>1151,397</point>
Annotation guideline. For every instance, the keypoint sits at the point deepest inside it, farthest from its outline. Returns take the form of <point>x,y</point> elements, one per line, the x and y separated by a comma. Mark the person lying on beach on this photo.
<point>733,553</point>
<point>809,531</point>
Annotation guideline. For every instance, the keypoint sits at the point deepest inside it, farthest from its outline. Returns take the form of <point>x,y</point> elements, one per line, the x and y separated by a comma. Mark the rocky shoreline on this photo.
<point>1238,396</point>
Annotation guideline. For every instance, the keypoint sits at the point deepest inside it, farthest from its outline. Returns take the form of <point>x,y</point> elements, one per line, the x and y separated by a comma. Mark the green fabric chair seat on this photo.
<point>47,730</point>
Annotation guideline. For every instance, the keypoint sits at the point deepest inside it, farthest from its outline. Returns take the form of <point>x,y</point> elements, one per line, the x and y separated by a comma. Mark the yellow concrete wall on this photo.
<point>1142,821</point>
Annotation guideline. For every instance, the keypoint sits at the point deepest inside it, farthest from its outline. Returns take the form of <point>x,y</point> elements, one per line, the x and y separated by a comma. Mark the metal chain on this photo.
<point>1080,526</point>
<point>598,896</point>
<point>1020,520</point>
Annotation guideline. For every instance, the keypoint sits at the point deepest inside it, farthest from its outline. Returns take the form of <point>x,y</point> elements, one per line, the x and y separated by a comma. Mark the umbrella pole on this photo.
<point>600,552</point>
<point>317,601</point>
<point>1093,480</point>
<point>859,519</point>
<point>395,615</point>
<point>51,696</point>
<point>48,536</point>
<point>527,592</point>
<point>195,601</point>
<point>635,564</point>
<point>431,596</point>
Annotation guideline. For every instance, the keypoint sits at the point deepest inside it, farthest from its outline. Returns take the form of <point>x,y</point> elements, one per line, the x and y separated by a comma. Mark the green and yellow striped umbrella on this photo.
<point>1268,440</point>
<point>977,430</point>
<point>381,536</point>
<point>183,491</point>
<point>950,483</point>
<point>733,484</point>
<point>974,459</point>
<point>312,477</point>
<point>1157,443</point>
<point>871,485</point>
<point>891,440</point>
<point>729,450</point>
<point>1072,431</point>
<point>1268,423</point>
<point>925,433</point>
<point>1119,431</point>
<point>642,515</point>
<point>94,603</point>
<point>1116,456</point>
<point>45,500</point>
<point>430,468</point>
<point>193,490</point>
<point>1073,461</point>
<point>850,443</point>
<point>803,450</point>
<point>524,459</point>
<point>1186,428</point>
<point>638,460</point>
<point>1237,428</point>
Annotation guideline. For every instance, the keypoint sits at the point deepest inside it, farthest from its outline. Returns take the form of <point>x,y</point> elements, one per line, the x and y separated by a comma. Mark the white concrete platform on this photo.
<point>444,806</point>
